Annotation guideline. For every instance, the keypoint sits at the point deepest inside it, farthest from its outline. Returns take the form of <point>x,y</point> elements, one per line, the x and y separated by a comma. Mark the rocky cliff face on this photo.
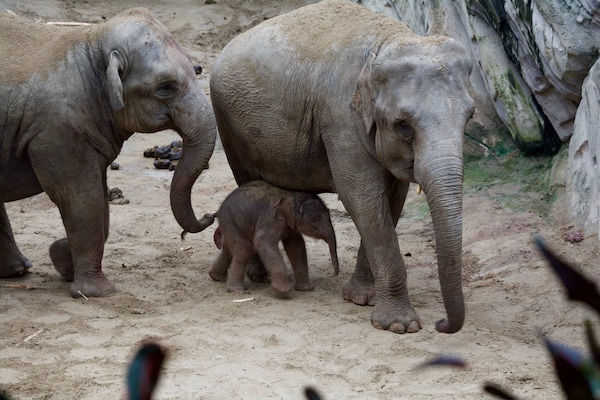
<point>531,58</point>
<point>583,182</point>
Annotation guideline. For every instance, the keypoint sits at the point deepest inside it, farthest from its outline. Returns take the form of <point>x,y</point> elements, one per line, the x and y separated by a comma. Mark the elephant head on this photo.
<point>414,103</point>
<point>310,216</point>
<point>150,86</point>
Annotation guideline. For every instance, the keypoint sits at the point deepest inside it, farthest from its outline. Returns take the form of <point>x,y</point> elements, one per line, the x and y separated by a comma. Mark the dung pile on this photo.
<point>165,157</point>
<point>115,196</point>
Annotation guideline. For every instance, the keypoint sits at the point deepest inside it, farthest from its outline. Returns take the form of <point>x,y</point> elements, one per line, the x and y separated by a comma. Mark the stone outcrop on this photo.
<point>531,58</point>
<point>583,182</point>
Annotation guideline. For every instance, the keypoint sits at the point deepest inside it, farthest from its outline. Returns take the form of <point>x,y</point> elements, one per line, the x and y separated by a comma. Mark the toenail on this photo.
<point>412,327</point>
<point>397,328</point>
<point>377,325</point>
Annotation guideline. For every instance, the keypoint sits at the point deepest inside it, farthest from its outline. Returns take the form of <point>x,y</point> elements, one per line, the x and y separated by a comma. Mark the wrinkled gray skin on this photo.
<point>65,122</point>
<point>253,219</point>
<point>334,98</point>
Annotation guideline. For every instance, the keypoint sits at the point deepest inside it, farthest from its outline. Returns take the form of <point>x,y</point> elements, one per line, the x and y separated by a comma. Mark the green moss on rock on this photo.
<point>523,123</point>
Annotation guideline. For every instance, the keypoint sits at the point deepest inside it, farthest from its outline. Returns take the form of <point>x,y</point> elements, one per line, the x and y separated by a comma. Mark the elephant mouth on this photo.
<point>403,172</point>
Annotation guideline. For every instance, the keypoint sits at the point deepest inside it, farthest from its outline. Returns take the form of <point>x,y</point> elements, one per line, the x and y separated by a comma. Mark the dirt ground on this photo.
<point>269,348</point>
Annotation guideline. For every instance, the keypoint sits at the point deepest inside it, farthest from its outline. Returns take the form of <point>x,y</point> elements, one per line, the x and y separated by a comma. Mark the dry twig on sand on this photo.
<point>18,286</point>
<point>28,338</point>
<point>67,23</point>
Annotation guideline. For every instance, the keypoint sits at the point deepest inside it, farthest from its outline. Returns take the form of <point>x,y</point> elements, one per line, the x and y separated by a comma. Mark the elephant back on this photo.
<point>33,47</point>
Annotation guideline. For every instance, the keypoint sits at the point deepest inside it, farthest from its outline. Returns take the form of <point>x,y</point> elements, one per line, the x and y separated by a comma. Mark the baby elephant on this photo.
<point>253,219</point>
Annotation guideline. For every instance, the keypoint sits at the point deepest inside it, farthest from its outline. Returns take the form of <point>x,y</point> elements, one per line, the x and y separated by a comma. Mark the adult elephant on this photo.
<point>69,98</point>
<point>335,98</point>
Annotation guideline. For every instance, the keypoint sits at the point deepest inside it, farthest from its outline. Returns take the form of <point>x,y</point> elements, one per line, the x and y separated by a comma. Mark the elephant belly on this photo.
<point>18,181</point>
<point>279,158</point>
<point>304,175</point>
<point>282,148</point>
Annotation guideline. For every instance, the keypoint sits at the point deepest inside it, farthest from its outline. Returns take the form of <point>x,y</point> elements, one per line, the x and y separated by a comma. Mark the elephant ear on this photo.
<point>363,97</point>
<point>113,80</point>
<point>279,213</point>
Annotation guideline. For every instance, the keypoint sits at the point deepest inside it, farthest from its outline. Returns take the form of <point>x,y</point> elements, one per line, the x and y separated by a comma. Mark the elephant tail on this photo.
<point>204,222</point>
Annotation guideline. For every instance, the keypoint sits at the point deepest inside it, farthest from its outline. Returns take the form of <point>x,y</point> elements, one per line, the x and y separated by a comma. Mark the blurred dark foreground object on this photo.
<point>144,371</point>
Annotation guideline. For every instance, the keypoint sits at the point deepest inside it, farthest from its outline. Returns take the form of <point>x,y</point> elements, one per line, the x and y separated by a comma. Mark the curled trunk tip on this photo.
<point>203,223</point>
<point>195,122</point>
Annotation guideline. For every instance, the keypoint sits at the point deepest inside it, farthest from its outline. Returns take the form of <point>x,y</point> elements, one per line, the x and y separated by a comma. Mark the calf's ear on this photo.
<point>282,212</point>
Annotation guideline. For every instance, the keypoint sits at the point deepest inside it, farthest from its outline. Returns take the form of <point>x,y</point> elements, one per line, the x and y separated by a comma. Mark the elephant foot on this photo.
<point>217,274</point>
<point>305,286</point>
<point>257,272</point>
<point>14,265</point>
<point>359,291</point>
<point>236,287</point>
<point>60,254</point>
<point>96,285</point>
<point>396,315</point>
<point>282,287</point>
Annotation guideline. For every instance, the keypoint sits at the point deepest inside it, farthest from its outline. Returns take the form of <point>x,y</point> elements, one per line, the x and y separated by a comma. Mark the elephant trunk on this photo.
<point>334,260</point>
<point>195,123</point>
<point>203,223</point>
<point>441,178</point>
<point>330,239</point>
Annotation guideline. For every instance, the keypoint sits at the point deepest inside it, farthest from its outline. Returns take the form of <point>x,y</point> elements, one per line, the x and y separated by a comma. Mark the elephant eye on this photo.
<point>165,90</point>
<point>404,129</point>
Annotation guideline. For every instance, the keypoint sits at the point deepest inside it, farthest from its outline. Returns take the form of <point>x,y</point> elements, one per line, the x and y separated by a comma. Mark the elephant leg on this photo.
<point>219,267</point>
<point>360,289</point>
<point>296,250</point>
<point>60,254</point>
<point>235,274</point>
<point>363,187</point>
<point>270,255</point>
<point>12,261</point>
<point>256,271</point>
<point>74,177</point>
<point>60,251</point>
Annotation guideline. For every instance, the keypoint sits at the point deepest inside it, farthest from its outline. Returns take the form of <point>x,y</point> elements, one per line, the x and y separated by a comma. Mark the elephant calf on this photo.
<point>69,98</point>
<point>253,219</point>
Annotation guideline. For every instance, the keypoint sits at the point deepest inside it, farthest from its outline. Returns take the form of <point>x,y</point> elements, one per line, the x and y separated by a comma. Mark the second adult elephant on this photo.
<point>69,98</point>
<point>334,98</point>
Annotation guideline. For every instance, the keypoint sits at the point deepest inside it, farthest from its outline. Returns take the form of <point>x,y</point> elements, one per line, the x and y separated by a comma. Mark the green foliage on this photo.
<point>416,208</point>
<point>515,181</point>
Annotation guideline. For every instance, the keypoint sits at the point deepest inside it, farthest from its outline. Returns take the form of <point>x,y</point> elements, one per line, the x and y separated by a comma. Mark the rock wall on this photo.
<point>531,58</point>
<point>583,182</point>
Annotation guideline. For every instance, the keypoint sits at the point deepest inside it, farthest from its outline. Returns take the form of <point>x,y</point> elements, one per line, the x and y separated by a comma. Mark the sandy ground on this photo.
<point>270,348</point>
